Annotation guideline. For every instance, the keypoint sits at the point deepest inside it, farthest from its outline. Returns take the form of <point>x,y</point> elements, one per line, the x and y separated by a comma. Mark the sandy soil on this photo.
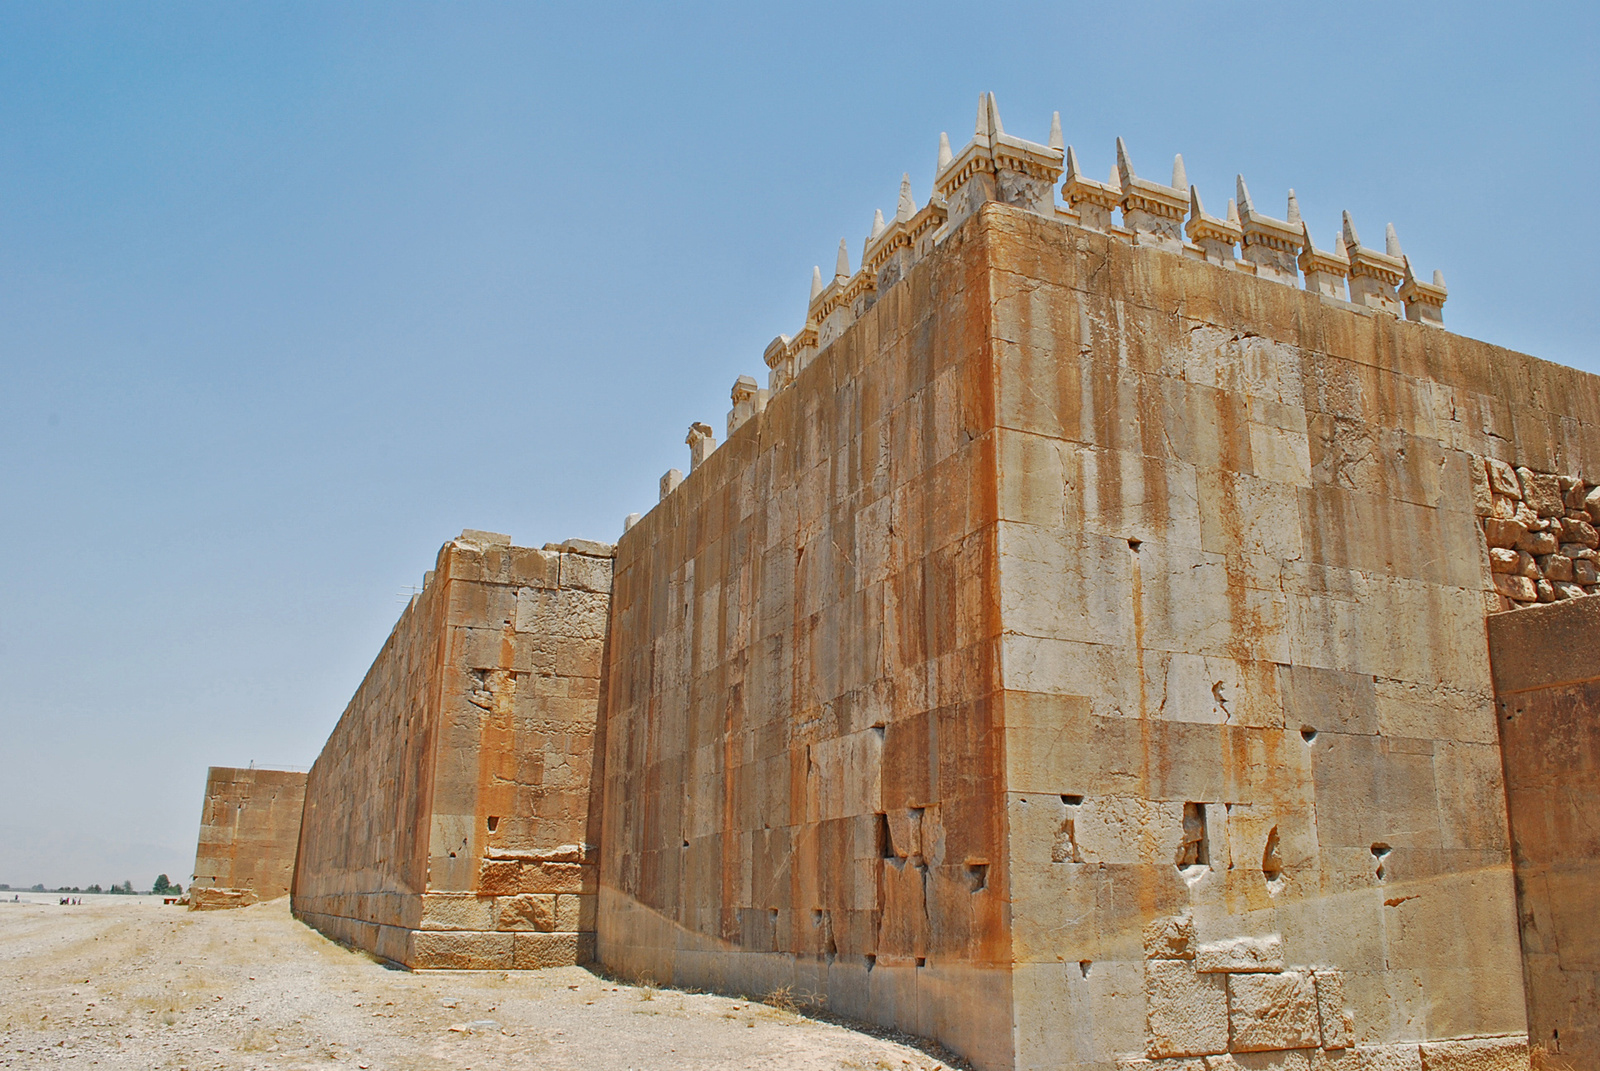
<point>123,982</point>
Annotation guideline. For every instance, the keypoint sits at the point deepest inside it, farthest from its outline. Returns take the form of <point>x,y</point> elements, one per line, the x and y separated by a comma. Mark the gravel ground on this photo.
<point>123,982</point>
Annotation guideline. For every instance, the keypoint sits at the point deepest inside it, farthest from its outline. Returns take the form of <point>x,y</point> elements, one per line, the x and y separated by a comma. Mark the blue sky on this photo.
<point>292,293</point>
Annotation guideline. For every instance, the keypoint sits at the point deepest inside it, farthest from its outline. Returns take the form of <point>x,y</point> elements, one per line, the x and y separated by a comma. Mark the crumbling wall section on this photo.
<point>249,826</point>
<point>1547,688</point>
<point>448,821</point>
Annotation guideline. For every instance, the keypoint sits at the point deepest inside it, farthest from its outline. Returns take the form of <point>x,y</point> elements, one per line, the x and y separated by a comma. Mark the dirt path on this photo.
<point>131,984</point>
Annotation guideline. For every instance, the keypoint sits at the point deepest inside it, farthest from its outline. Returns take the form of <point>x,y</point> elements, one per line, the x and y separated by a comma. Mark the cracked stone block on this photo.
<point>1186,1014</point>
<point>1335,1021</point>
<point>1241,954</point>
<point>1272,1011</point>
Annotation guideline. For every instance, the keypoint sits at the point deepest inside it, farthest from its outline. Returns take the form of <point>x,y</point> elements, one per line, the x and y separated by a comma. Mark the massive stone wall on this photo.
<point>248,829</point>
<point>1547,685</point>
<point>1082,661</point>
<point>447,820</point>
<point>803,743</point>
<point>1246,698</point>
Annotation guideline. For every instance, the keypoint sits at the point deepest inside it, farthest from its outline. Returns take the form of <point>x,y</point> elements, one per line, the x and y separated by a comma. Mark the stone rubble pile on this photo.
<point>1541,531</point>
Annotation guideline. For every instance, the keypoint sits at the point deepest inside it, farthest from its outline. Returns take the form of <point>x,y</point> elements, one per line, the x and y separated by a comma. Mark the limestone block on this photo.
<point>1476,1054</point>
<point>1177,1063</point>
<point>1538,543</point>
<point>1503,478</point>
<point>1482,493</point>
<point>1591,504</point>
<point>1554,567</point>
<point>530,911</point>
<point>1541,492</point>
<point>1565,589</point>
<point>586,572</point>
<point>1503,533</point>
<point>457,912</point>
<point>1585,572</point>
<point>1519,588</point>
<point>535,951</point>
<point>1129,829</point>
<point>1579,531</point>
<point>1329,700</point>
<point>670,481</point>
<point>1333,1018</point>
<point>1504,560</point>
<point>568,913</point>
<point>574,614</point>
<point>1241,954</point>
<point>1272,1011</point>
<point>461,950</point>
<point>1169,938</point>
<point>1279,1060</point>
<point>1186,1014</point>
<point>531,568</point>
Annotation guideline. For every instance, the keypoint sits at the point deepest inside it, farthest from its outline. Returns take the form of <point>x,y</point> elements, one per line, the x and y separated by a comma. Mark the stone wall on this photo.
<point>448,821</point>
<point>803,739</point>
<point>248,829</point>
<point>1547,686</point>
<point>1540,528</point>
<point>1243,589</point>
<point>1080,587</point>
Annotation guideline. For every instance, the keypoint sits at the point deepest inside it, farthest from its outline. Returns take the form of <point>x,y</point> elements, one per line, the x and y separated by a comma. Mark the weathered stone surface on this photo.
<point>1272,1011</point>
<point>1541,491</point>
<point>1476,1054</point>
<point>1334,1020</point>
<point>249,828</point>
<point>1547,687</point>
<point>1186,1013</point>
<point>1241,954</point>
<point>1503,478</point>
<point>1169,938</point>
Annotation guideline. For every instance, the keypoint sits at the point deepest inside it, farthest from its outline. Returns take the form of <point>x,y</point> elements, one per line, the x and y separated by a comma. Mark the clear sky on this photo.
<point>292,293</point>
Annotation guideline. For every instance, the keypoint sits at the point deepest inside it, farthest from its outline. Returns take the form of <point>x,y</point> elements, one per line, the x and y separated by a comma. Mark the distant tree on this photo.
<point>94,889</point>
<point>161,885</point>
<point>127,888</point>
<point>5,888</point>
<point>176,889</point>
<point>37,888</point>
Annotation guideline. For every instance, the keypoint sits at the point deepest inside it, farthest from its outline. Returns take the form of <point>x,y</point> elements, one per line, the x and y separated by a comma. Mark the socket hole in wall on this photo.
<point>885,845</point>
<point>1271,864</point>
<point>922,961</point>
<point>1072,801</point>
<point>1307,733</point>
<point>1196,847</point>
<point>494,822</point>
<point>1135,544</point>
<point>1084,965</point>
<point>978,876</point>
<point>872,961</point>
<point>1380,851</point>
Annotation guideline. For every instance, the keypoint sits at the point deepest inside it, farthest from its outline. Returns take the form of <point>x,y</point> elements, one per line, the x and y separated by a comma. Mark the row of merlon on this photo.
<point>996,166</point>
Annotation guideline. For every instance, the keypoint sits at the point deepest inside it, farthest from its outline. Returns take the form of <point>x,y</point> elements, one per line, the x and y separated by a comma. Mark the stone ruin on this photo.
<point>1079,653</point>
<point>249,829</point>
